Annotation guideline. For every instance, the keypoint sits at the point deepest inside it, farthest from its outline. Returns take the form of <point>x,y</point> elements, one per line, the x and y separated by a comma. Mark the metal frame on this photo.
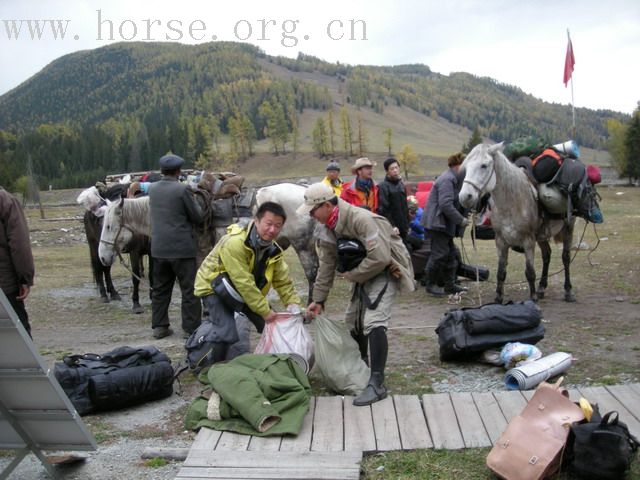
<point>35,413</point>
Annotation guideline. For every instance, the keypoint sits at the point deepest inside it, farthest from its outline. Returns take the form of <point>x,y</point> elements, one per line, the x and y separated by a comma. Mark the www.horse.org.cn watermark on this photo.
<point>289,32</point>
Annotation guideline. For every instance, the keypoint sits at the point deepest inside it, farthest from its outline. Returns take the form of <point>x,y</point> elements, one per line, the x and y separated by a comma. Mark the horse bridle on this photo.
<point>114,244</point>
<point>480,190</point>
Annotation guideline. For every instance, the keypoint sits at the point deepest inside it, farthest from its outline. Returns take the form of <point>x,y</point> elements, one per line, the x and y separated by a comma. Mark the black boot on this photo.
<point>431,283</point>
<point>375,389</point>
<point>450,276</point>
<point>363,345</point>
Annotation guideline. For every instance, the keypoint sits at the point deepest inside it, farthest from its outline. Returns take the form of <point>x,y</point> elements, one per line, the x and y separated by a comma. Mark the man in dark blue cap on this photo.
<point>173,248</point>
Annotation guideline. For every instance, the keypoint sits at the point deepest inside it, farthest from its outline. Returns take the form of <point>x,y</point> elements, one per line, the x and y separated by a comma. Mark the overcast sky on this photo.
<point>522,43</point>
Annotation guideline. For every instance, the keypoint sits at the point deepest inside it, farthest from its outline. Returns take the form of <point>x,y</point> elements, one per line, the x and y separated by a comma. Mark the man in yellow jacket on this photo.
<point>239,272</point>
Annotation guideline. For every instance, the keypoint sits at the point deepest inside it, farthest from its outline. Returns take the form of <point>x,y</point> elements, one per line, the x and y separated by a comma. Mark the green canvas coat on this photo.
<point>252,388</point>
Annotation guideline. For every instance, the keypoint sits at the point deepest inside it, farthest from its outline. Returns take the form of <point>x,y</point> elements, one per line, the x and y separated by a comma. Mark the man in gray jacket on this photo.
<point>173,248</point>
<point>441,220</point>
<point>384,269</point>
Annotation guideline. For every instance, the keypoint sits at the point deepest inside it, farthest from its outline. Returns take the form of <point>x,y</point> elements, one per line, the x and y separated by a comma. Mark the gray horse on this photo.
<point>515,216</point>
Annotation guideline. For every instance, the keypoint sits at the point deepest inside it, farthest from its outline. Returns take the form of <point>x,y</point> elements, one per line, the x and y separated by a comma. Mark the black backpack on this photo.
<point>120,378</point>
<point>601,449</point>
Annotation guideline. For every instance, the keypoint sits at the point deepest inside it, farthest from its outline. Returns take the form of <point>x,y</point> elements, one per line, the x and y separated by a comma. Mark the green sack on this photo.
<point>529,146</point>
<point>338,358</point>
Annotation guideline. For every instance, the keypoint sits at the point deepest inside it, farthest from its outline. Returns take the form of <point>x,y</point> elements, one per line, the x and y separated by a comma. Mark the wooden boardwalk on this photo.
<point>336,432</point>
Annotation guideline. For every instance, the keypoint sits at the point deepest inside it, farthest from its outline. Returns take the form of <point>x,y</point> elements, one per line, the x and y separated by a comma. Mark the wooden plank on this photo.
<point>233,441</point>
<point>207,439</point>
<point>607,402</point>
<point>302,441</point>
<point>317,473</point>
<point>527,394</point>
<point>471,426</point>
<point>574,395</point>
<point>511,403</point>
<point>359,435</point>
<point>328,425</point>
<point>270,444</point>
<point>271,460</point>
<point>385,425</point>
<point>492,417</point>
<point>442,421</point>
<point>628,397</point>
<point>272,465</point>
<point>411,423</point>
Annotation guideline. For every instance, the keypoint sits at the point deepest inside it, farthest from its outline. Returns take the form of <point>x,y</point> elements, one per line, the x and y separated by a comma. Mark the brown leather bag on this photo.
<point>531,447</point>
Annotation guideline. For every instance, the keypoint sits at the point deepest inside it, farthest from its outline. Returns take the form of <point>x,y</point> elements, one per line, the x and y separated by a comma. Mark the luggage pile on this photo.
<point>465,333</point>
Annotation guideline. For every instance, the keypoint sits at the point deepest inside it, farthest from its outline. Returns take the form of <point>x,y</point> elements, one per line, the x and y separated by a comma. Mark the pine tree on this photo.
<point>319,138</point>
<point>388,134</point>
<point>332,132</point>
<point>362,137</point>
<point>475,139</point>
<point>632,147</point>
<point>347,132</point>
<point>408,160</point>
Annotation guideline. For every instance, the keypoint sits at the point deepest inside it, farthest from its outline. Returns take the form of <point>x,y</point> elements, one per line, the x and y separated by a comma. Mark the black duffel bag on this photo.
<point>465,333</point>
<point>120,378</point>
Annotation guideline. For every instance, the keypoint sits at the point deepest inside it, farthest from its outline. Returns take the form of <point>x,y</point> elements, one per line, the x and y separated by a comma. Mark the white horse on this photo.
<point>515,216</point>
<point>124,218</point>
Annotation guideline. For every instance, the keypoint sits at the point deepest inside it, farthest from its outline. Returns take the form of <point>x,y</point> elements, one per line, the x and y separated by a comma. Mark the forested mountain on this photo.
<point>118,108</point>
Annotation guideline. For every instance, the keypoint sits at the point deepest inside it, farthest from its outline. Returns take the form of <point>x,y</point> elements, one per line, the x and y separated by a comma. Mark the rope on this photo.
<point>466,257</point>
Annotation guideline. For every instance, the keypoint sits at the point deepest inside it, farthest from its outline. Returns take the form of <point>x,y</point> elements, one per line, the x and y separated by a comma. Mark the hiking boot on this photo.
<point>161,332</point>
<point>435,291</point>
<point>374,391</point>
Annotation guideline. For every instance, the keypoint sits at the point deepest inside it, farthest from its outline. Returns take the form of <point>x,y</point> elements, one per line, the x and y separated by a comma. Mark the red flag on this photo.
<point>569,62</point>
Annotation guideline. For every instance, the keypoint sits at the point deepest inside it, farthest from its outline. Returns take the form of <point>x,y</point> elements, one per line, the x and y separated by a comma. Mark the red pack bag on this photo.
<point>594,175</point>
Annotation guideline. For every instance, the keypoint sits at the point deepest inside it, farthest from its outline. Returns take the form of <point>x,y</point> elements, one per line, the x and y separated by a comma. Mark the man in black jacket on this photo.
<point>173,248</point>
<point>442,220</point>
<point>392,199</point>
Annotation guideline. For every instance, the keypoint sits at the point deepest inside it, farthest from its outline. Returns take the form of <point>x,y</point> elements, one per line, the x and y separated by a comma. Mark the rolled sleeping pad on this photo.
<point>469,271</point>
<point>528,376</point>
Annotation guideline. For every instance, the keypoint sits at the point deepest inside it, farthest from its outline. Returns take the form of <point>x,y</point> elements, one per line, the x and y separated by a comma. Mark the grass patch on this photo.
<point>155,462</point>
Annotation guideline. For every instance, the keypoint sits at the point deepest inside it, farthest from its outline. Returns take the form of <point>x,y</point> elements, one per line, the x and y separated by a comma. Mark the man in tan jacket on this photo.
<point>385,268</point>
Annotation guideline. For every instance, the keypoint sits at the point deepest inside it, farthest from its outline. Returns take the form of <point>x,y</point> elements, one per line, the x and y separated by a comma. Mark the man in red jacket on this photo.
<point>362,190</point>
<point>16,259</point>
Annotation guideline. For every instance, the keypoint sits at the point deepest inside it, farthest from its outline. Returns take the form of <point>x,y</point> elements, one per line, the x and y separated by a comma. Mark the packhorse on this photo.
<point>515,216</point>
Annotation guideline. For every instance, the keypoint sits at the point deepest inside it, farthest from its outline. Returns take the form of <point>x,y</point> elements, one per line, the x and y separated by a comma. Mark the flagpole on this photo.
<point>573,105</point>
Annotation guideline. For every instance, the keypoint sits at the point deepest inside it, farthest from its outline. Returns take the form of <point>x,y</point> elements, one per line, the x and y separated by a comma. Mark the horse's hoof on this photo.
<point>116,297</point>
<point>137,309</point>
<point>104,299</point>
<point>569,297</point>
<point>498,300</point>
<point>539,295</point>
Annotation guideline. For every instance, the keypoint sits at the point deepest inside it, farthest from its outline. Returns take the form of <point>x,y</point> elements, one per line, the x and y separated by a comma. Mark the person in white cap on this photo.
<point>383,269</point>
<point>362,191</point>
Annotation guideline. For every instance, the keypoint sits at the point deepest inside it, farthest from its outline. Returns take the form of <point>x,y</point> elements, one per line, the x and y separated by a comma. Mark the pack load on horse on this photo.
<point>566,187</point>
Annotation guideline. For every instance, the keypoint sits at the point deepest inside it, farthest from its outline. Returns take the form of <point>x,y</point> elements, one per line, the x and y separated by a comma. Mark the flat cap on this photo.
<point>171,162</point>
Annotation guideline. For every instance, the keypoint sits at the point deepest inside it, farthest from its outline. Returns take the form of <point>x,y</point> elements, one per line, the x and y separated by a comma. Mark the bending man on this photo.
<point>384,268</point>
